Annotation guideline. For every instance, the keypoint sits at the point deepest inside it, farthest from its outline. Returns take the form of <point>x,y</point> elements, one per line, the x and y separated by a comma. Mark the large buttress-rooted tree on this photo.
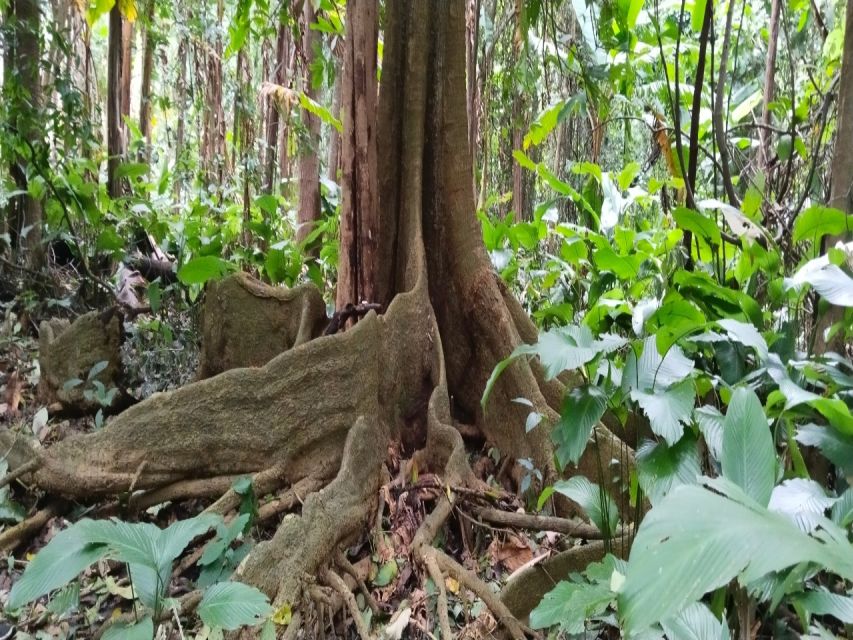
<point>326,410</point>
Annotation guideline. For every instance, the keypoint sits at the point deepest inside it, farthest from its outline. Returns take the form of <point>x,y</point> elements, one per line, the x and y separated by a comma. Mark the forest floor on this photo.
<point>393,589</point>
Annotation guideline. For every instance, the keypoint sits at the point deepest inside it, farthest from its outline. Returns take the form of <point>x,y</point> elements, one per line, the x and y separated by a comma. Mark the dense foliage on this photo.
<point>658,184</point>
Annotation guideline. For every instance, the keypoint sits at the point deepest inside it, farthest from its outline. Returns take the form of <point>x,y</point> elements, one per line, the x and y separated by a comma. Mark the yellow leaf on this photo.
<point>452,584</point>
<point>117,613</point>
<point>283,615</point>
<point>128,9</point>
<point>414,471</point>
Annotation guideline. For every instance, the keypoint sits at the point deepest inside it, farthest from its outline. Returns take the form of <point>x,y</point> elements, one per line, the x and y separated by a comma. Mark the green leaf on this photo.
<point>132,170</point>
<point>661,468</point>
<point>387,572</point>
<point>697,540</point>
<point>142,630</point>
<point>700,224</point>
<point>623,267</point>
<point>569,605</point>
<point>710,422</point>
<point>651,371</point>
<point>696,622</point>
<point>200,270</point>
<point>748,455</point>
<point>837,448</point>
<point>544,124</point>
<point>582,409</point>
<point>697,15</point>
<point>817,221</point>
<point>842,510</point>
<point>57,564</point>
<point>746,334</point>
<point>823,603</point>
<point>633,12</point>
<point>595,501</point>
<point>829,280</point>
<point>231,605</point>
<point>836,412</point>
<point>802,500</point>
<point>310,105</point>
<point>669,410</point>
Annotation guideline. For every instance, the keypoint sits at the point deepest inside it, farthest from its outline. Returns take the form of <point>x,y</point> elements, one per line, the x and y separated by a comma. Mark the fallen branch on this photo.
<point>13,536</point>
<point>574,528</point>
<point>24,469</point>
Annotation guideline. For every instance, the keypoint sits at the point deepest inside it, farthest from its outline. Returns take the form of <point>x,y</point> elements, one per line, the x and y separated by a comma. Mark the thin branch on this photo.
<point>720,130</point>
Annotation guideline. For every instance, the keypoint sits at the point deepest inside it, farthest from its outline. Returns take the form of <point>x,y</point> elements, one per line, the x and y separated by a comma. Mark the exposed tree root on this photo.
<point>525,590</point>
<point>336,582</point>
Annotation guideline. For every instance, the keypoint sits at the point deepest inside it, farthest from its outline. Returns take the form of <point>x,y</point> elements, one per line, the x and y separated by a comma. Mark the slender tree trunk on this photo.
<point>181,100</point>
<point>519,121</point>
<point>309,159</point>
<point>22,86</point>
<point>115,146</point>
<point>841,196</point>
<point>126,68</point>
<point>764,135</point>
<point>148,41</point>
<point>358,268</point>
<point>472,42</point>
<point>333,160</point>
<point>273,116</point>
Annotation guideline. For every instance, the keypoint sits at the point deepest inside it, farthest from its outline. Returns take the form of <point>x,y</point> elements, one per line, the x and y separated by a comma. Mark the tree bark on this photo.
<point>358,268</point>
<point>148,42</point>
<point>841,195</point>
<point>115,143</point>
<point>22,89</point>
<point>764,135</point>
<point>309,159</point>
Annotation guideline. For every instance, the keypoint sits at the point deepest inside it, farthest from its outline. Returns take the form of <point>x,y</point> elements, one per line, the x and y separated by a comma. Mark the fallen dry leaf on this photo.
<point>512,552</point>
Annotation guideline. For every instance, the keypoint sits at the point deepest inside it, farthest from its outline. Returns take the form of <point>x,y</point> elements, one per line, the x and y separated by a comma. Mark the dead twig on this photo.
<point>337,583</point>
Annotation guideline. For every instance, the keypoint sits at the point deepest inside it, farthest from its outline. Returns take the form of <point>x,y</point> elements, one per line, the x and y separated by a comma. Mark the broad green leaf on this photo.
<point>309,104</point>
<point>544,124</point>
<point>668,410</point>
<point>653,372</point>
<point>387,572</point>
<point>817,221</point>
<point>595,501</point>
<point>142,630</point>
<point>823,603</point>
<point>697,540</point>
<point>633,12</point>
<point>623,267</point>
<point>697,15</point>
<point>700,224</point>
<point>748,455</point>
<point>661,467</point>
<point>132,170</point>
<point>710,422</point>
<point>746,334</point>
<point>569,605</point>
<point>58,563</point>
<point>828,279</point>
<point>696,622</point>
<point>231,605</point>
<point>200,270</point>
<point>842,510</point>
<point>803,501</point>
<point>836,412</point>
<point>582,409</point>
<point>837,447</point>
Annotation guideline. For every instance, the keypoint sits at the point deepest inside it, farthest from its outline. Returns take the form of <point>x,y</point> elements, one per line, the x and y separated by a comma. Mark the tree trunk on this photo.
<point>115,144</point>
<point>358,268</point>
<point>841,196</point>
<point>148,41</point>
<point>273,117</point>
<point>22,89</point>
<point>324,413</point>
<point>309,159</point>
<point>333,161</point>
<point>764,135</point>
